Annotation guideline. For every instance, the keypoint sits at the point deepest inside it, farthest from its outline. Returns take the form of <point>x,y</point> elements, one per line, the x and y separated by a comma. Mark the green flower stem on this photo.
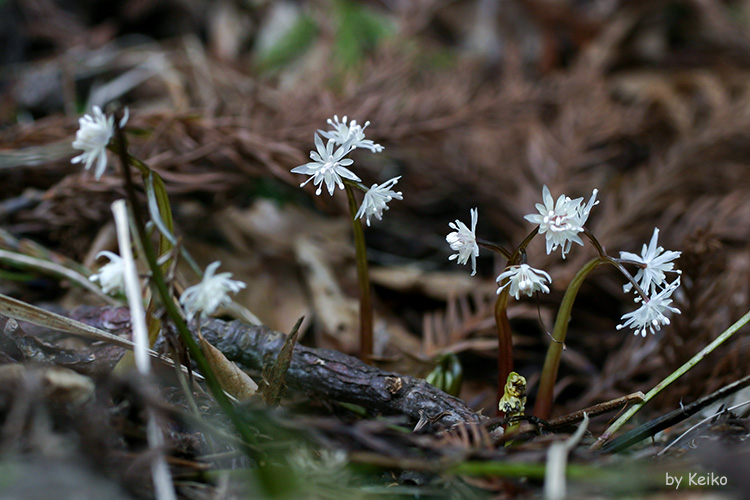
<point>363,277</point>
<point>543,405</point>
<point>504,342</point>
<point>671,378</point>
<point>157,279</point>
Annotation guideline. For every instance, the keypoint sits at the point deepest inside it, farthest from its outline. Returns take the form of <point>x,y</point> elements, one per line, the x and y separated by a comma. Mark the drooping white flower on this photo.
<point>327,166</point>
<point>343,132</point>
<point>210,293</point>
<point>655,262</point>
<point>524,279</point>
<point>464,241</point>
<point>377,198</point>
<point>653,313</point>
<point>93,136</point>
<point>110,275</point>
<point>561,221</point>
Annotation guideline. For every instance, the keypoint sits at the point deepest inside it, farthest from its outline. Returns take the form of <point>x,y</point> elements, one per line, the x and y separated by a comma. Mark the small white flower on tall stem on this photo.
<point>524,279</point>
<point>110,275</point>
<point>653,262</point>
<point>561,221</point>
<point>343,132</point>
<point>211,293</point>
<point>464,241</point>
<point>653,312</point>
<point>93,136</point>
<point>327,166</point>
<point>377,198</point>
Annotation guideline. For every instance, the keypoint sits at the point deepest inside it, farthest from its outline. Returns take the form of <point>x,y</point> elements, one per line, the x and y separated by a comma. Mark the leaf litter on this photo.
<point>652,112</point>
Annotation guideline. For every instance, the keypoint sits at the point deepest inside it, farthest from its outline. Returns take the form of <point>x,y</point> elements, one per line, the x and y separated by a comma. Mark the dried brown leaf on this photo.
<point>233,380</point>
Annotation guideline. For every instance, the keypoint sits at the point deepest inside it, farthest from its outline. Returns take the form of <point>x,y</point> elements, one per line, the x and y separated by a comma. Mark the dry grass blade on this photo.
<point>25,312</point>
<point>23,261</point>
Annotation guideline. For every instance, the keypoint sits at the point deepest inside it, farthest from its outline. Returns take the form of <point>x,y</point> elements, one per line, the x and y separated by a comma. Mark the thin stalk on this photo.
<point>671,378</point>
<point>543,405</point>
<point>504,333</point>
<point>363,278</point>
<point>522,247</point>
<point>157,280</point>
<point>504,342</point>
<point>616,262</point>
<point>494,247</point>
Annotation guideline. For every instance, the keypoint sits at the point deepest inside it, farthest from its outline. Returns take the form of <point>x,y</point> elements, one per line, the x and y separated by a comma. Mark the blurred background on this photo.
<point>477,103</point>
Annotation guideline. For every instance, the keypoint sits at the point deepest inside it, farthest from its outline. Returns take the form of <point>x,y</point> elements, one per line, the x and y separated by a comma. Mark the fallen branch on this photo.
<point>333,375</point>
<point>323,373</point>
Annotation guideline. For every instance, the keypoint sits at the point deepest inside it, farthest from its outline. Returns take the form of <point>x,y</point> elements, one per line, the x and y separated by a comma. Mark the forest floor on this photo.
<point>478,105</point>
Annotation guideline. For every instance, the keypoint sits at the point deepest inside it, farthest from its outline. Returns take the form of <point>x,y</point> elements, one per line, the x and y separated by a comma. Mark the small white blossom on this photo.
<point>655,262</point>
<point>210,293</point>
<point>464,241</point>
<point>343,132</point>
<point>376,199</point>
<point>327,166</point>
<point>561,221</point>
<point>651,315</point>
<point>93,136</point>
<point>524,279</point>
<point>110,275</point>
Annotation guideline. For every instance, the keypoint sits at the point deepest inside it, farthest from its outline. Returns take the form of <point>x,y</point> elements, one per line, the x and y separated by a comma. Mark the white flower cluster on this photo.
<point>653,262</point>
<point>464,241</point>
<point>524,279</point>
<point>93,135</point>
<point>521,279</point>
<point>111,275</point>
<point>329,166</point>
<point>561,222</point>
<point>343,133</point>
<point>211,293</point>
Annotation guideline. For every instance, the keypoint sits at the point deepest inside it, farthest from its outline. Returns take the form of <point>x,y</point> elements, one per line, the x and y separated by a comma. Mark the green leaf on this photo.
<point>291,45</point>
<point>358,31</point>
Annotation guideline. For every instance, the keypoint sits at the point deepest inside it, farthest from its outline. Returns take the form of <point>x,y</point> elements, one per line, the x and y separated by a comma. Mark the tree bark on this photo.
<point>321,373</point>
<point>333,375</point>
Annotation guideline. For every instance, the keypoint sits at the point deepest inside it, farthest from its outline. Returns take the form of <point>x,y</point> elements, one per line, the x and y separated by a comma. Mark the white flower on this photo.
<point>342,133</point>
<point>328,166</point>
<point>562,221</point>
<point>93,136</point>
<point>464,241</point>
<point>110,275</point>
<point>210,293</point>
<point>655,262</point>
<point>376,199</point>
<point>524,279</point>
<point>651,315</point>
